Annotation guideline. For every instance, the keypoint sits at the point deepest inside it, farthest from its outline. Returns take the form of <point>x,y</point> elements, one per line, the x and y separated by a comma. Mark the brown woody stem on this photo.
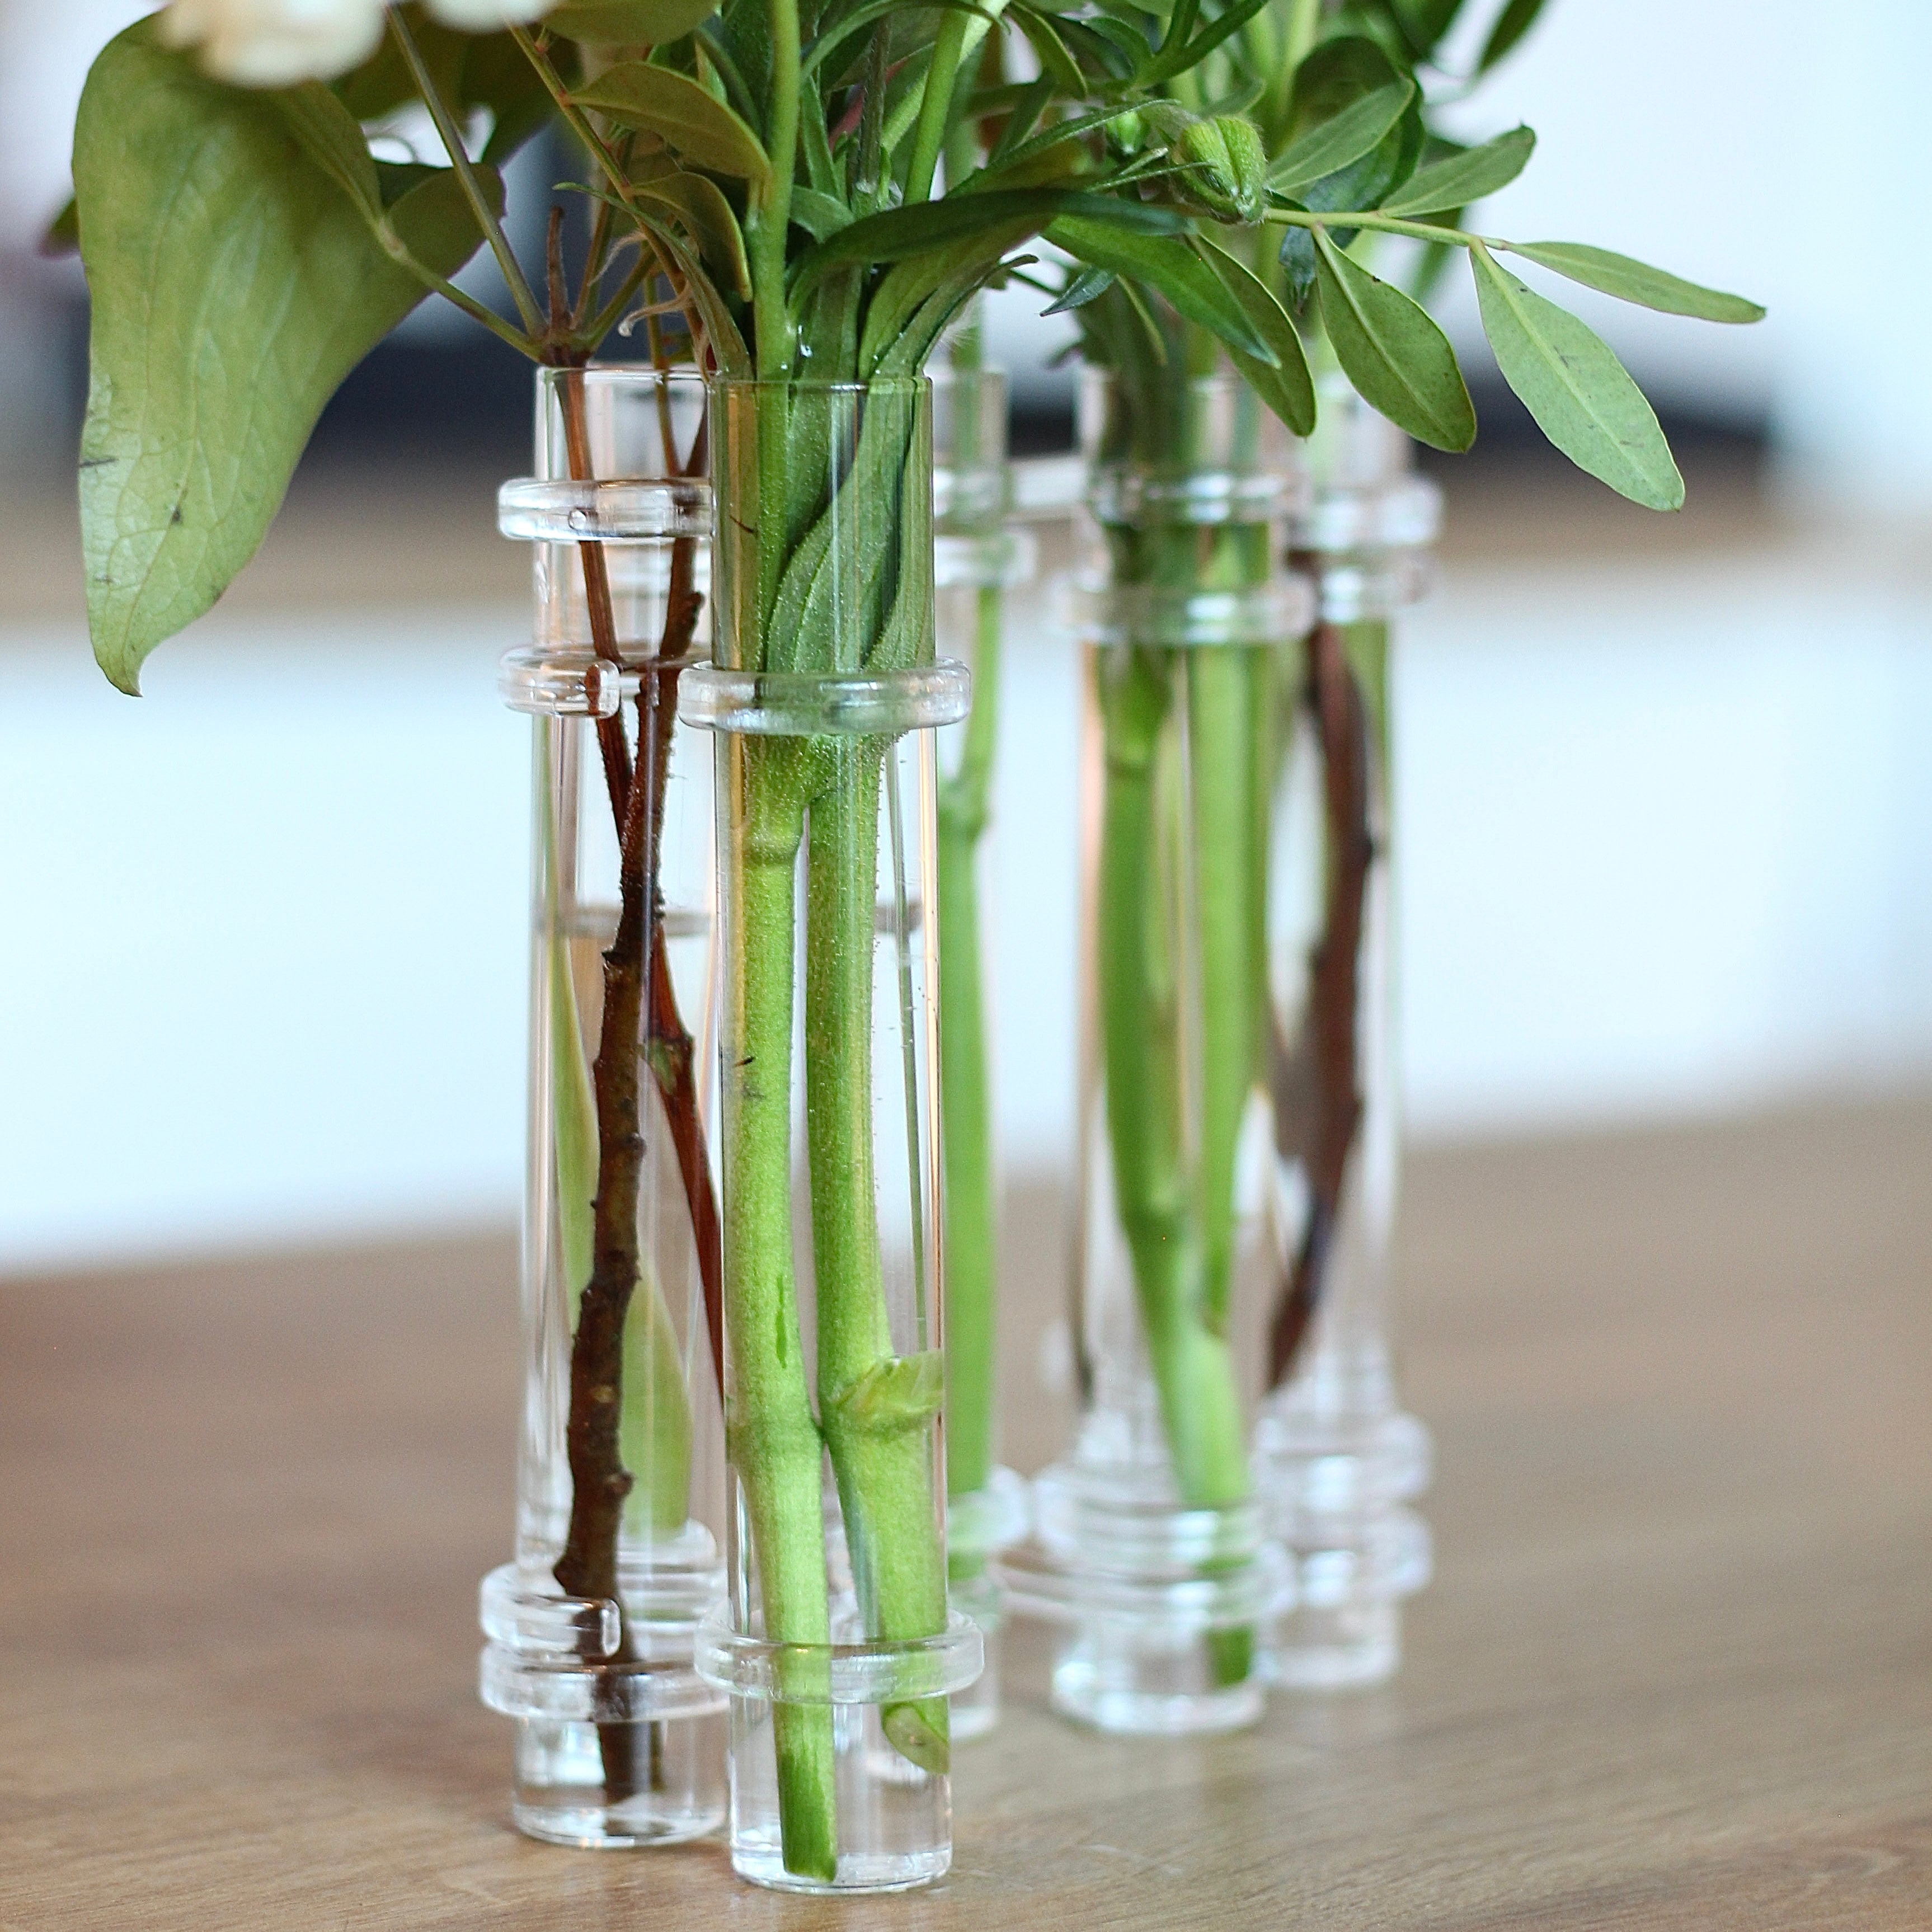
<point>1334,992</point>
<point>636,977</point>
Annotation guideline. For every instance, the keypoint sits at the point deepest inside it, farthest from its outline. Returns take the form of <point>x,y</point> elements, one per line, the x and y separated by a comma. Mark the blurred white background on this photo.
<point>1665,820</point>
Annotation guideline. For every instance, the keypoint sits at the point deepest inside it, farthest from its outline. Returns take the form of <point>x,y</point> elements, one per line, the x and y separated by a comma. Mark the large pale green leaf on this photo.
<point>682,115</point>
<point>1286,385</point>
<point>1633,281</point>
<point>1580,393</point>
<point>1459,179</point>
<point>1345,136</point>
<point>629,23</point>
<point>1170,265</point>
<point>1399,361</point>
<point>235,283</point>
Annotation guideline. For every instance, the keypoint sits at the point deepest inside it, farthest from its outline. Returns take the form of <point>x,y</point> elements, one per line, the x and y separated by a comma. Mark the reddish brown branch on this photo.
<point>1332,1101</point>
<point>636,979</point>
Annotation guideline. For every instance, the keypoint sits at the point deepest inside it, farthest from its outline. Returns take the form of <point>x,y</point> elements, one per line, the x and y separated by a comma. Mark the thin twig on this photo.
<point>1334,990</point>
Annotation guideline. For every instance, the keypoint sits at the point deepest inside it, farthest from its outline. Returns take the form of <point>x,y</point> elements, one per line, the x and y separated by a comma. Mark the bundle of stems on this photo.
<point>767,172</point>
<point>1310,136</point>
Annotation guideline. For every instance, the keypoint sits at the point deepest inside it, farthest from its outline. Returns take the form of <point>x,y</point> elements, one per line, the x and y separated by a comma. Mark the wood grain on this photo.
<point>1676,1669</point>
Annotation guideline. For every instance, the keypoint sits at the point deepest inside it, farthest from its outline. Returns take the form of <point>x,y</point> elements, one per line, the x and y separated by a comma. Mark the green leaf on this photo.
<point>701,203</point>
<point>1633,281</point>
<point>629,23</point>
<point>234,285</point>
<point>328,132</point>
<point>1335,75</point>
<point>1184,59</point>
<point>1089,285</point>
<point>61,236</point>
<point>919,226</point>
<point>1054,61</point>
<point>1459,179</point>
<point>1344,137</point>
<point>1285,386</point>
<point>1512,23</point>
<point>1580,395</point>
<point>682,115</point>
<point>1399,361</point>
<point>1170,265</point>
<point>820,215</point>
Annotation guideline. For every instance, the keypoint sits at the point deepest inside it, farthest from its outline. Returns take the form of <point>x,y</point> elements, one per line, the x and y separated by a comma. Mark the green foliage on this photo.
<point>1356,130</point>
<point>1579,393</point>
<point>628,23</point>
<point>679,112</point>
<point>1399,361</point>
<point>236,278</point>
<point>1637,282</point>
<point>1457,180</point>
<point>1173,266</point>
<point>1284,384</point>
<point>1514,21</point>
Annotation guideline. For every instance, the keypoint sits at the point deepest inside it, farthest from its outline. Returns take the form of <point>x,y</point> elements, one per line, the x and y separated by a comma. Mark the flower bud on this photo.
<point>1224,168</point>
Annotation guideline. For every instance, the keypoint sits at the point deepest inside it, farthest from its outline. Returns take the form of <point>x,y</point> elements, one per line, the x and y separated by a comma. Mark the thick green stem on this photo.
<point>972,1205</point>
<point>773,1441</point>
<point>1149,1017</point>
<point>877,1409</point>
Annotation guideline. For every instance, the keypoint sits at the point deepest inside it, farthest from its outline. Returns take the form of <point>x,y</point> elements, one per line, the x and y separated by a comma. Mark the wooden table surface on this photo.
<point>1676,1669</point>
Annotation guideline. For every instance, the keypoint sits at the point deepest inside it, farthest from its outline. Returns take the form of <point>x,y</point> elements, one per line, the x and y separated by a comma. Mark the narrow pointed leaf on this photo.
<point>235,284</point>
<point>919,226</point>
<point>1344,137</point>
<point>682,115</point>
<point>1399,361</point>
<point>1633,281</point>
<point>1512,23</point>
<point>61,236</point>
<point>1170,265</point>
<point>1460,179</point>
<point>1286,385</point>
<point>1184,59</point>
<point>1581,398</point>
<point>1089,285</point>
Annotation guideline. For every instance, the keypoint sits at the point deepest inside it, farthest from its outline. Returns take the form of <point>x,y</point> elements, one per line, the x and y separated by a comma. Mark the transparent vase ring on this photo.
<point>882,1671</point>
<point>814,704</point>
<point>549,1656</point>
<point>646,514</point>
<point>1371,547</point>
<point>1275,613</point>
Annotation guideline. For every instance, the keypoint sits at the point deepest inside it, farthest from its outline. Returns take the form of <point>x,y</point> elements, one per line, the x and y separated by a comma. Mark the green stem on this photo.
<point>935,107</point>
<point>876,1408</point>
<point>1146,899</point>
<point>465,174</point>
<point>1387,224</point>
<point>971,1188</point>
<point>773,1442</point>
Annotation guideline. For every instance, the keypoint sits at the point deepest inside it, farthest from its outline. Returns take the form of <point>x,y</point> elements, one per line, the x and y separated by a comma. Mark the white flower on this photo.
<point>486,16</point>
<point>275,43</point>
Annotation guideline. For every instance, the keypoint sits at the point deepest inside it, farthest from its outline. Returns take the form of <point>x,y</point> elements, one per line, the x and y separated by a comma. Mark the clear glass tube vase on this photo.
<point>837,1649</point>
<point>980,557</point>
<point>1150,1547</point>
<point>1336,1458</point>
<point>620,1496</point>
